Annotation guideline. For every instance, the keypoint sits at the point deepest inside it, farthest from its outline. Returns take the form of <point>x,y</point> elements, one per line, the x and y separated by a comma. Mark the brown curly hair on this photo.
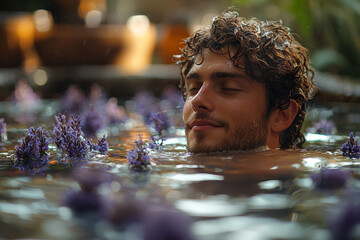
<point>270,55</point>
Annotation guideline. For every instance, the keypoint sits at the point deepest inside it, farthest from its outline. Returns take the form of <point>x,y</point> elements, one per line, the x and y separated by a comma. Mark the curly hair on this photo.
<point>270,55</point>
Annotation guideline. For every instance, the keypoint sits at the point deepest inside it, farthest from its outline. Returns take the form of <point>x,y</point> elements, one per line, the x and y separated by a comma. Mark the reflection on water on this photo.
<point>260,195</point>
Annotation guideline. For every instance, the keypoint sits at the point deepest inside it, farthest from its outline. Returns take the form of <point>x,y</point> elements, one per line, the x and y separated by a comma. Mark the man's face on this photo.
<point>224,109</point>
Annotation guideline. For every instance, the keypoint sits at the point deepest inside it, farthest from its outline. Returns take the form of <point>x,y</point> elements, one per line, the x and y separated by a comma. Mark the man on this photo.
<point>246,84</point>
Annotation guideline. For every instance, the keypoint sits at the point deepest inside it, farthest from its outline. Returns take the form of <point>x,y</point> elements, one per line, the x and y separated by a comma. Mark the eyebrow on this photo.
<point>218,75</point>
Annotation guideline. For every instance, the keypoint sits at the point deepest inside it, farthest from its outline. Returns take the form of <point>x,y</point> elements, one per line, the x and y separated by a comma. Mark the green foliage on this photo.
<point>330,29</point>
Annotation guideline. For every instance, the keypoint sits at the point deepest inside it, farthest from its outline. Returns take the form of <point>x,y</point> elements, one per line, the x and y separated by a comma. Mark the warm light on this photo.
<point>140,40</point>
<point>43,20</point>
<point>138,24</point>
<point>93,18</point>
<point>87,6</point>
<point>40,77</point>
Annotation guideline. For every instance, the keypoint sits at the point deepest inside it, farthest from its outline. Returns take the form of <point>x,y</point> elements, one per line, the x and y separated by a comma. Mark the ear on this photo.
<point>282,119</point>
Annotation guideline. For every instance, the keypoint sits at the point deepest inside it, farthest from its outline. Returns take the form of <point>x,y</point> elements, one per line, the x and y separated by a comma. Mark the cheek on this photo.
<point>186,110</point>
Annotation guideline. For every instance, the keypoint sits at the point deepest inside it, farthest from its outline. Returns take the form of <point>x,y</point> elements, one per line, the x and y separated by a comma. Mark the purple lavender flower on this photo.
<point>90,179</point>
<point>87,199</point>
<point>3,130</point>
<point>174,96</point>
<point>31,154</point>
<point>161,122</point>
<point>101,146</point>
<point>156,142</point>
<point>351,148</point>
<point>158,221</point>
<point>323,126</point>
<point>92,121</point>
<point>164,223</point>
<point>139,158</point>
<point>69,137</point>
<point>343,222</point>
<point>115,114</point>
<point>73,100</point>
<point>330,178</point>
<point>145,105</point>
<point>83,201</point>
<point>77,147</point>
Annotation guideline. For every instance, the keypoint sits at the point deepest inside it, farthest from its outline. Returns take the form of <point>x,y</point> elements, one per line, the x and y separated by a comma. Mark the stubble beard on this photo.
<point>249,136</point>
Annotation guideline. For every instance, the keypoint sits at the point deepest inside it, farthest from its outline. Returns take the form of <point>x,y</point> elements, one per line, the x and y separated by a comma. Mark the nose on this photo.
<point>203,100</point>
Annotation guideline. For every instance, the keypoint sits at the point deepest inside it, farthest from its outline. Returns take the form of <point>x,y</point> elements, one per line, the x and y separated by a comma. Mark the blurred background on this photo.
<point>127,45</point>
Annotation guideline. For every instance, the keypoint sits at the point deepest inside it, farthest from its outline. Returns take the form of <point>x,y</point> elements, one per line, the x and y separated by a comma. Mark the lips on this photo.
<point>201,125</point>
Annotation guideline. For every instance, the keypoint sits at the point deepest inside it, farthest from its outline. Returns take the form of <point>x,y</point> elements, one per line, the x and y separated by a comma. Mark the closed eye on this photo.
<point>231,89</point>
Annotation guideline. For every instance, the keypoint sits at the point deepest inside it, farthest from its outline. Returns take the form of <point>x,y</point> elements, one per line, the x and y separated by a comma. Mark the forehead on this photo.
<point>219,61</point>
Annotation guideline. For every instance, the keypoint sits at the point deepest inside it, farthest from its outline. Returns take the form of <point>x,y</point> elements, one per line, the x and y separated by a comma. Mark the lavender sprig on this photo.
<point>139,158</point>
<point>3,130</point>
<point>351,148</point>
<point>323,126</point>
<point>330,178</point>
<point>101,146</point>
<point>31,154</point>
<point>69,137</point>
<point>87,199</point>
<point>92,122</point>
<point>161,122</point>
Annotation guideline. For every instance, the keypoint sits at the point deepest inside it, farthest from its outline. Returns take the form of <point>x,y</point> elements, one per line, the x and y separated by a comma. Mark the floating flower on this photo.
<point>115,114</point>
<point>323,126</point>
<point>101,146</point>
<point>174,96</point>
<point>31,154</point>
<point>87,199</point>
<point>330,178</point>
<point>92,121</point>
<point>161,122</point>
<point>3,130</point>
<point>90,179</point>
<point>343,223</point>
<point>164,222</point>
<point>150,219</point>
<point>139,158</point>
<point>26,101</point>
<point>351,148</point>
<point>69,138</point>
<point>145,105</point>
<point>73,100</point>
<point>83,201</point>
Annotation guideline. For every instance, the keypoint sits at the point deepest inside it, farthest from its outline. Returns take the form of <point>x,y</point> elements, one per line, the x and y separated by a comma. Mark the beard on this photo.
<point>250,135</point>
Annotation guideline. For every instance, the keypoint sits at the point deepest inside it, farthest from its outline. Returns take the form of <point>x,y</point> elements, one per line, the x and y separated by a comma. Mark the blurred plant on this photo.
<point>345,220</point>
<point>329,29</point>
<point>330,178</point>
<point>73,100</point>
<point>30,155</point>
<point>87,199</point>
<point>322,126</point>
<point>92,121</point>
<point>139,158</point>
<point>145,105</point>
<point>150,219</point>
<point>174,97</point>
<point>351,148</point>
<point>3,130</point>
<point>115,114</point>
<point>27,102</point>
